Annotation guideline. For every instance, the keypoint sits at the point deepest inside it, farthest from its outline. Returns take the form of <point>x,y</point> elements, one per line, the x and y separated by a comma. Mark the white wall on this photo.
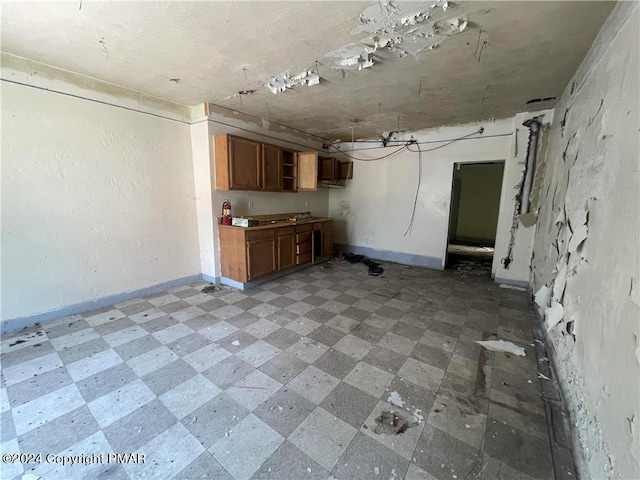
<point>96,200</point>
<point>374,210</point>
<point>210,201</point>
<point>592,163</point>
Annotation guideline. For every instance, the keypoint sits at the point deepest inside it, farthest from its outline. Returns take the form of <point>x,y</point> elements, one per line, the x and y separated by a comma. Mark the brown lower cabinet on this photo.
<point>248,254</point>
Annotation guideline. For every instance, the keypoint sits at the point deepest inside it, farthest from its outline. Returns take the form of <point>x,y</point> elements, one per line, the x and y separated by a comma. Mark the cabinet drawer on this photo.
<point>260,234</point>
<point>304,228</point>
<point>304,258</point>
<point>303,248</point>
<point>286,231</point>
<point>303,237</point>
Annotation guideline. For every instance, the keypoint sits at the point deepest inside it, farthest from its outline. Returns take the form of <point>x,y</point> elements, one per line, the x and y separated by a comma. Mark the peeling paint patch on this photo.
<point>502,346</point>
<point>404,28</point>
<point>284,81</point>
<point>554,315</point>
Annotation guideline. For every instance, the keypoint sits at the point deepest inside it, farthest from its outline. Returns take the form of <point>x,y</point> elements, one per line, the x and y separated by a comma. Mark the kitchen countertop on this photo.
<point>281,224</point>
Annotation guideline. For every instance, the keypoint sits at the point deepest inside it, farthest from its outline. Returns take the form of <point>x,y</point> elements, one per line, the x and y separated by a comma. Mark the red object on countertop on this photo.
<point>226,212</point>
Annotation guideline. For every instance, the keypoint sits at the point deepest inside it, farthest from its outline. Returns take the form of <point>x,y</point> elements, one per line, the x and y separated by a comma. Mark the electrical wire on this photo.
<point>408,142</point>
<point>370,159</point>
<point>415,200</point>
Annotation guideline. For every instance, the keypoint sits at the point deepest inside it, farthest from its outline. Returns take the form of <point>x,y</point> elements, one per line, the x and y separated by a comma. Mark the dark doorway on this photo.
<point>473,217</point>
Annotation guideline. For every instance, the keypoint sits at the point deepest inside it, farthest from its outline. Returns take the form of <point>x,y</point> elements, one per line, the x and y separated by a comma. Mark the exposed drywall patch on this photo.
<point>285,81</point>
<point>403,28</point>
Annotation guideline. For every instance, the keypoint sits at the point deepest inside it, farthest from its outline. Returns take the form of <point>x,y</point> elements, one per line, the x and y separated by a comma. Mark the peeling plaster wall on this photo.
<point>209,201</point>
<point>374,210</point>
<point>586,250</point>
<point>96,200</point>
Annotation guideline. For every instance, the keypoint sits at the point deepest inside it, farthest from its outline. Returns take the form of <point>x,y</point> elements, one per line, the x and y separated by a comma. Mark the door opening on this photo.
<point>473,217</point>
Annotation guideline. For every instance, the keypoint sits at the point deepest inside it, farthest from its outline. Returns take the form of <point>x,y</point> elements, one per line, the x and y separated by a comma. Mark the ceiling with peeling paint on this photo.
<point>332,69</point>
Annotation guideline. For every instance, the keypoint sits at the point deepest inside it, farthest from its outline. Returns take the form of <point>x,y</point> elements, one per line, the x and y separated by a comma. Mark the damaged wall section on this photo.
<point>585,264</point>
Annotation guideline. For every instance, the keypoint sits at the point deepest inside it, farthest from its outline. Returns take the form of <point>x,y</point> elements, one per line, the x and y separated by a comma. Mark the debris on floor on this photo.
<point>513,287</point>
<point>211,288</point>
<point>374,267</point>
<point>392,423</point>
<point>502,346</point>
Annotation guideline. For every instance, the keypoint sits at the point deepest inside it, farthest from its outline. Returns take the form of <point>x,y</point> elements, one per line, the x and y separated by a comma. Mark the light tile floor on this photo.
<point>285,381</point>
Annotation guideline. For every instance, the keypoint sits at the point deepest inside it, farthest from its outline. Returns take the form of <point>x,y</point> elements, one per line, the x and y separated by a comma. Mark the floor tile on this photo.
<point>206,357</point>
<point>186,397</point>
<point>349,404</point>
<point>282,338</point>
<point>465,420</point>
<point>518,449</point>
<point>284,411</point>
<point>35,387</point>
<point>336,363</point>
<point>369,379</point>
<point>214,419</point>
<point>60,433</point>
<point>384,359</point>
<point>353,346</point>
<point>115,405</point>
<point>366,459</point>
<point>443,456</point>
<point>397,343</point>
<point>228,371</point>
<point>167,454</point>
<point>421,374</point>
<point>253,389</point>
<point>94,364</point>
<point>284,367</point>
<point>326,335</point>
<point>290,463</point>
<point>313,384</point>
<point>368,332</point>
<point>152,360</point>
<point>262,328</point>
<point>37,366</point>
<point>132,431</point>
<point>323,437</point>
<point>302,326</point>
<point>46,408</point>
<point>218,331</point>
<point>258,353</point>
<point>343,324</point>
<point>205,466</point>
<point>493,468</point>
<point>246,447</point>
<point>307,350</point>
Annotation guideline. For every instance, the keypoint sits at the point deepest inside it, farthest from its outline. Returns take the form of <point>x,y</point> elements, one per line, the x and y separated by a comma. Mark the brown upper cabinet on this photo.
<point>242,164</point>
<point>333,170</point>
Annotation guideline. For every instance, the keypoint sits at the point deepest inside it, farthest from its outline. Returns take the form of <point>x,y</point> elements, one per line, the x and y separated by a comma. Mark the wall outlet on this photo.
<point>306,203</point>
<point>250,205</point>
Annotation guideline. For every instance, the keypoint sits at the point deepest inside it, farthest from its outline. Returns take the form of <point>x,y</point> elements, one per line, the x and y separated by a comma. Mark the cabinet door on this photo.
<point>261,257</point>
<point>307,171</point>
<point>327,240</point>
<point>286,252</point>
<point>346,170</point>
<point>328,169</point>
<point>271,168</point>
<point>244,164</point>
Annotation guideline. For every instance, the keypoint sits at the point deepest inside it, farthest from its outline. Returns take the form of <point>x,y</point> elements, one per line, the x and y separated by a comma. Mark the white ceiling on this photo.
<point>195,52</point>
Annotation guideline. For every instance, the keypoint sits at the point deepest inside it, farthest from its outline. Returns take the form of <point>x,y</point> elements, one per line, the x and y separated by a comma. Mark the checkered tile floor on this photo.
<point>284,381</point>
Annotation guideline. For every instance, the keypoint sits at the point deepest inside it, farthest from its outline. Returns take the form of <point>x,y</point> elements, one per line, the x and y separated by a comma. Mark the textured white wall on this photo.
<point>375,208</point>
<point>592,163</point>
<point>96,201</point>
